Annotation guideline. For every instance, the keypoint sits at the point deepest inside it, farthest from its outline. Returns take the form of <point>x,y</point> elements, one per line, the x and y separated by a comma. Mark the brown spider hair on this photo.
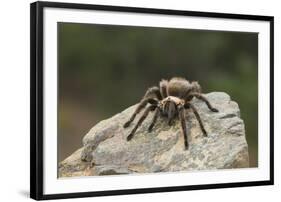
<point>170,100</point>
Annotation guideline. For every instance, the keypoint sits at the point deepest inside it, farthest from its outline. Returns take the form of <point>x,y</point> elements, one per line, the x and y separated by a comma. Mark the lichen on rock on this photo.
<point>107,152</point>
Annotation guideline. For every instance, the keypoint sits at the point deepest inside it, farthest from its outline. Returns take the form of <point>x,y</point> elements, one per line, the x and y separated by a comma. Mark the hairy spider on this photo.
<point>170,100</point>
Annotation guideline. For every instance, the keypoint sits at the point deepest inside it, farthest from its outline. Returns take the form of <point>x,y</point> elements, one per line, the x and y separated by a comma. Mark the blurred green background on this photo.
<point>104,69</point>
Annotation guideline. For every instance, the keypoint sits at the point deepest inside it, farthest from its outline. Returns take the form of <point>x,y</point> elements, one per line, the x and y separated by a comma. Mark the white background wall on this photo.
<point>14,100</point>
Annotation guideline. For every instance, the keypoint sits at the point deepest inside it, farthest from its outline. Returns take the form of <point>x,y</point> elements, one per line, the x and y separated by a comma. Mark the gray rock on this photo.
<point>106,151</point>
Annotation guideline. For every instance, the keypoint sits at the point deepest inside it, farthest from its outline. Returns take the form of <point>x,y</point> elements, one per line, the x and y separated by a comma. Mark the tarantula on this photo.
<point>170,100</point>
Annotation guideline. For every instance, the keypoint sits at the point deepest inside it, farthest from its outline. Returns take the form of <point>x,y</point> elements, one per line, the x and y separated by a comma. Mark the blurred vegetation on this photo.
<point>104,69</point>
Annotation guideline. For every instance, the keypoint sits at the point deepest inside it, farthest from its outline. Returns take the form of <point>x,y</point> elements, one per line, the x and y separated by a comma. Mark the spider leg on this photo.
<point>142,118</point>
<point>163,88</point>
<point>172,110</point>
<point>154,119</point>
<point>149,97</point>
<point>201,97</point>
<point>153,92</point>
<point>183,125</point>
<point>139,108</point>
<point>198,118</point>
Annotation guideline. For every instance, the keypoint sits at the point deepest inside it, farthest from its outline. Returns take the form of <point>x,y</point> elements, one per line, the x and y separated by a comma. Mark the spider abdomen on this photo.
<point>178,87</point>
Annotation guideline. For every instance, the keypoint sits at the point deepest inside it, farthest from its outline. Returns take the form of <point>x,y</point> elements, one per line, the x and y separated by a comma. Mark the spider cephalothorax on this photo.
<point>170,100</point>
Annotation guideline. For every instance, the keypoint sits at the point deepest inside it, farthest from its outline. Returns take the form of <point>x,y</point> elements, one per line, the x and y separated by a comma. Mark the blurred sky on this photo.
<point>103,69</point>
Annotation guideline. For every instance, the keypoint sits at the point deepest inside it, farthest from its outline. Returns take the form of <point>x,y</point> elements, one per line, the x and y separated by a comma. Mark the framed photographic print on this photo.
<point>136,100</point>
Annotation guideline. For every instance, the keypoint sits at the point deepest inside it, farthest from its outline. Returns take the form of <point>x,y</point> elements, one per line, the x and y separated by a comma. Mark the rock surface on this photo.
<point>106,151</point>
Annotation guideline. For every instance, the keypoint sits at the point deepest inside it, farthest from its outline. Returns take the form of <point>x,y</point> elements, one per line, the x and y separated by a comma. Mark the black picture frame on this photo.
<point>37,102</point>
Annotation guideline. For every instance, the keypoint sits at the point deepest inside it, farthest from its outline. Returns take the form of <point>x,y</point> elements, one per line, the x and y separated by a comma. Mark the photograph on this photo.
<point>140,101</point>
<point>135,100</point>
<point>129,100</point>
